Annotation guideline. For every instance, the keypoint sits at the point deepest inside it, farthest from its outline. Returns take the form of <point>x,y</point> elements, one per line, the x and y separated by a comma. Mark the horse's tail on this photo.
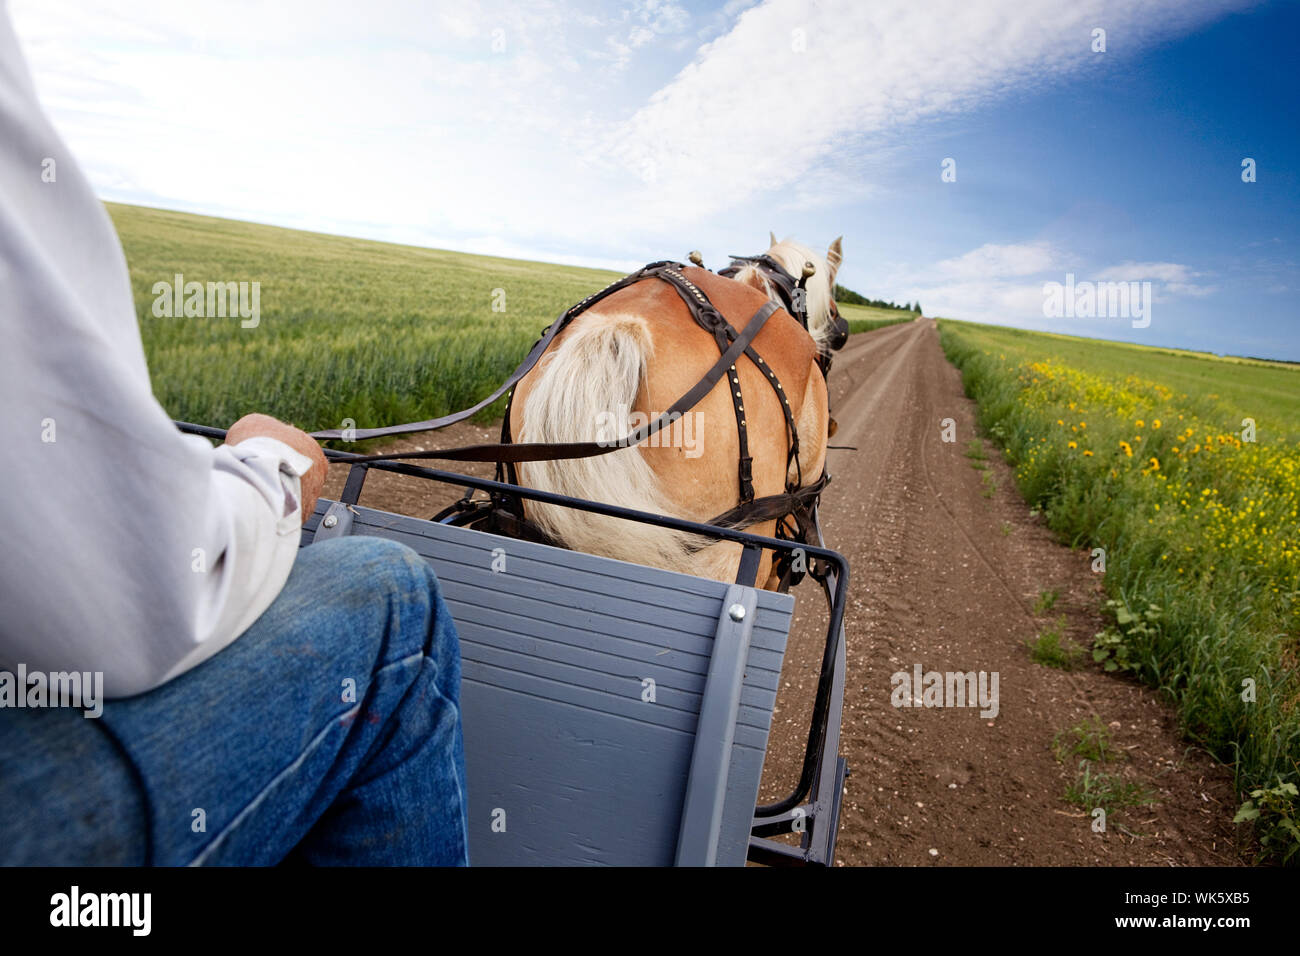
<point>584,390</point>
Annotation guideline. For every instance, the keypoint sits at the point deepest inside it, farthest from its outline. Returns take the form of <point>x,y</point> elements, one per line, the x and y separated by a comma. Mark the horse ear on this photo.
<point>834,256</point>
<point>772,237</point>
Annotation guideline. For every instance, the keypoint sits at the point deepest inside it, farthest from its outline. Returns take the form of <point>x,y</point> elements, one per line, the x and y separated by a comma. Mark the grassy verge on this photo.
<point>1188,495</point>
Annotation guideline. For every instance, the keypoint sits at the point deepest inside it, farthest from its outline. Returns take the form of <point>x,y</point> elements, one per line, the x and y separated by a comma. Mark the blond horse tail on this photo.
<point>583,392</point>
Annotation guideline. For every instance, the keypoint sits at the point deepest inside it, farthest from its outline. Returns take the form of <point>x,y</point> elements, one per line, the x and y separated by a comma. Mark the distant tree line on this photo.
<point>849,297</point>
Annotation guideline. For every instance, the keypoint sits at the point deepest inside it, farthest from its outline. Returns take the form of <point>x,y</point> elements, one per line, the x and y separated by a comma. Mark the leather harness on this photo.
<point>798,502</point>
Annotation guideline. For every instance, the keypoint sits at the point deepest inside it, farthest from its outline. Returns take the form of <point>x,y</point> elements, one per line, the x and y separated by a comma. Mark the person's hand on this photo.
<point>313,480</point>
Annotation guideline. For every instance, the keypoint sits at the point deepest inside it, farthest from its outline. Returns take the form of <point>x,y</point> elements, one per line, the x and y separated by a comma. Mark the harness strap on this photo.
<point>746,462</point>
<point>792,430</point>
<point>711,321</point>
<point>549,451</point>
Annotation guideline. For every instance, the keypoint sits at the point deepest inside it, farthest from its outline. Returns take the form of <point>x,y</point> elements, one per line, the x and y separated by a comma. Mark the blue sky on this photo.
<point>613,134</point>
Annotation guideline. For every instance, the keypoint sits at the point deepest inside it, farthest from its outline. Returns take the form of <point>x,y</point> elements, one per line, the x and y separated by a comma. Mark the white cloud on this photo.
<point>398,118</point>
<point>1000,302</point>
<point>616,54</point>
<point>1149,271</point>
<point>755,110</point>
<point>1187,288</point>
<point>1174,278</point>
<point>989,283</point>
<point>999,261</point>
<point>992,283</point>
<point>663,16</point>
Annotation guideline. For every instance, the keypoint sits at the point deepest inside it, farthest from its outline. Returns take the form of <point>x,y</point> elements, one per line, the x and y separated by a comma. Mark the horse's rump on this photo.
<point>637,352</point>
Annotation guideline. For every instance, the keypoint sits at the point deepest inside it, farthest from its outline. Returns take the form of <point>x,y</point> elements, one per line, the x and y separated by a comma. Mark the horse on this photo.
<point>625,361</point>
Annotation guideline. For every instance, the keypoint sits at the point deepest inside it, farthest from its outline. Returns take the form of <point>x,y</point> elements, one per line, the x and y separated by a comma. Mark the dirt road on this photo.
<point>945,576</point>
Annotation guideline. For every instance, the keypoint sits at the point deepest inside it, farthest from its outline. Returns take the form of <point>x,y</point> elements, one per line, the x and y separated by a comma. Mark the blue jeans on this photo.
<point>329,733</point>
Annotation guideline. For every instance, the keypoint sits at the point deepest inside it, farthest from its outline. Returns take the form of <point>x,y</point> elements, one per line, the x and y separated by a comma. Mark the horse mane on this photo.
<point>792,255</point>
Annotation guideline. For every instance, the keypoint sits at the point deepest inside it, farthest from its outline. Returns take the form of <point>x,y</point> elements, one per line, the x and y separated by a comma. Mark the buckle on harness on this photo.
<point>712,318</point>
<point>747,478</point>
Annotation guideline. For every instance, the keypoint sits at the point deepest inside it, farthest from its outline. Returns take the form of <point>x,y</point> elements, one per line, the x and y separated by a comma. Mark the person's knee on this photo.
<point>396,579</point>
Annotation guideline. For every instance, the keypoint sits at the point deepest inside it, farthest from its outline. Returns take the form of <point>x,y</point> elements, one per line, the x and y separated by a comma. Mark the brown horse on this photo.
<point>625,361</point>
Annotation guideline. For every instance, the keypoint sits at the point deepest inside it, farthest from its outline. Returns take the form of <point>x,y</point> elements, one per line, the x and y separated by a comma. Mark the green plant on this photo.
<point>990,485</point>
<point>975,450</point>
<point>1089,739</point>
<point>1092,789</point>
<point>1114,647</point>
<point>1052,648</point>
<point>1046,600</point>
<point>1006,528</point>
<point>1274,810</point>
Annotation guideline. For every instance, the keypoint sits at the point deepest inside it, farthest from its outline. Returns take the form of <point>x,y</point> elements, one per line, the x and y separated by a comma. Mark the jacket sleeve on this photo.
<point>125,546</point>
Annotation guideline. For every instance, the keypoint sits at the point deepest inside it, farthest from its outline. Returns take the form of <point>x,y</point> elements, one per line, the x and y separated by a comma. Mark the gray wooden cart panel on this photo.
<point>559,744</point>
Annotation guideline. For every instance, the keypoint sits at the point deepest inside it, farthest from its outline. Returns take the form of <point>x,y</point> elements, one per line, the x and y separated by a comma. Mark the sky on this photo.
<point>616,133</point>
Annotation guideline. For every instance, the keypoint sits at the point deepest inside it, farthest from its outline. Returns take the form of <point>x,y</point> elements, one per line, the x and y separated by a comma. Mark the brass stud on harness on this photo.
<point>809,270</point>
